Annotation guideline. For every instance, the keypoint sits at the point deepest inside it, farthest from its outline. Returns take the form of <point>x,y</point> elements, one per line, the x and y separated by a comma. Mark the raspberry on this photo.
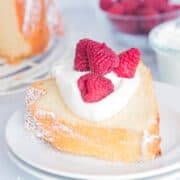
<point>94,87</point>
<point>117,8</point>
<point>162,6</point>
<point>147,12</point>
<point>172,7</point>
<point>130,6</point>
<point>128,63</point>
<point>158,5</point>
<point>81,59</point>
<point>175,6</point>
<point>105,4</point>
<point>102,59</point>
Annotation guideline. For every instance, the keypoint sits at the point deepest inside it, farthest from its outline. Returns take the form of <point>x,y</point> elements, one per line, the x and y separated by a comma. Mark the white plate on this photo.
<point>42,156</point>
<point>43,175</point>
<point>31,170</point>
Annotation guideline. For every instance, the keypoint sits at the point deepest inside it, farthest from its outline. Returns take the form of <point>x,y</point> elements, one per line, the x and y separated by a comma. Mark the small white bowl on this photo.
<point>165,40</point>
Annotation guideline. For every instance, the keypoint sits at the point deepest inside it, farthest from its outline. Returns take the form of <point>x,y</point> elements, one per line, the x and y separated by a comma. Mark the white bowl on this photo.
<point>165,40</point>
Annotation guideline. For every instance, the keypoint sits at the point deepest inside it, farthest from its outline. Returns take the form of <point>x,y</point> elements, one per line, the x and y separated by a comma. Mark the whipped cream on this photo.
<point>66,79</point>
<point>166,35</point>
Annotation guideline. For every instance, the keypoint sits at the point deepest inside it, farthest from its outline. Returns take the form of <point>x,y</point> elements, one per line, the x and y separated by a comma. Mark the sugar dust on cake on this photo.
<point>24,28</point>
<point>99,103</point>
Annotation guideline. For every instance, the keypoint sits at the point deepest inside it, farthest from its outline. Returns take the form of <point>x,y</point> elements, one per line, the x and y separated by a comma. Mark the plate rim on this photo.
<point>25,167</point>
<point>28,168</point>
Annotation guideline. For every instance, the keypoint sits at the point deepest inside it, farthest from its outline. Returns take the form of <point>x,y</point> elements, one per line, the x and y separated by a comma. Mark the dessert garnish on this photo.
<point>94,87</point>
<point>99,60</point>
<point>128,62</point>
<point>102,59</point>
<point>81,59</point>
<point>94,56</point>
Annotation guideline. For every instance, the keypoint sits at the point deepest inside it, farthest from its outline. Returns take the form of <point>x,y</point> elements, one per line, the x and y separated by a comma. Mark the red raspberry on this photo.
<point>117,8</point>
<point>175,6</point>
<point>148,24</point>
<point>94,87</point>
<point>81,59</point>
<point>156,4</point>
<point>102,59</point>
<point>128,63</point>
<point>130,6</point>
<point>172,7</point>
<point>105,4</point>
<point>162,6</point>
<point>147,12</point>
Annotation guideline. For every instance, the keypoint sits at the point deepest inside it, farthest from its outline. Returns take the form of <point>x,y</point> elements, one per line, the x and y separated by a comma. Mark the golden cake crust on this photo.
<point>84,137</point>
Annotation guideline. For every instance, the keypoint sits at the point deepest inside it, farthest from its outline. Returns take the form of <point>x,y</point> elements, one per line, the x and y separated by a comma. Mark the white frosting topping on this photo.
<point>167,35</point>
<point>66,79</point>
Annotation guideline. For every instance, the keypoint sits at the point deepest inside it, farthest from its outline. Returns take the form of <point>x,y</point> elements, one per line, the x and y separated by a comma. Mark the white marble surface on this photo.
<point>85,21</point>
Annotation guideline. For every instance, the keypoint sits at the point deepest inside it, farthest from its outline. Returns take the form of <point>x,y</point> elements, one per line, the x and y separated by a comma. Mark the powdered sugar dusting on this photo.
<point>33,125</point>
<point>44,113</point>
<point>147,139</point>
<point>32,94</point>
<point>32,16</point>
<point>62,127</point>
<point>36,129</point>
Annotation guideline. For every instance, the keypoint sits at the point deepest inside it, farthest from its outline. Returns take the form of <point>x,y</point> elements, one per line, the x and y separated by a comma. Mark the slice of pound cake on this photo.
<point>102,104</point>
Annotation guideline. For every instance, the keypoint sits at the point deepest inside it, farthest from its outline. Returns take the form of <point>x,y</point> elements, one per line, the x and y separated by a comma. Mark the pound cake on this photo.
<point>102,104</point>
<point>24,29</point>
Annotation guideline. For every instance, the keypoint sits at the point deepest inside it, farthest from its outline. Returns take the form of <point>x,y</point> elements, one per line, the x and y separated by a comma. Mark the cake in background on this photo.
<point>26,28</point>
<point>102,104</point>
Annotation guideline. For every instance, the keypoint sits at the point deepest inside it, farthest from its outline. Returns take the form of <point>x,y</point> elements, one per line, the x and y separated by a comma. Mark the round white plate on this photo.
<point>37,173</point>
<point>42,156</point>
<point>43,175</point>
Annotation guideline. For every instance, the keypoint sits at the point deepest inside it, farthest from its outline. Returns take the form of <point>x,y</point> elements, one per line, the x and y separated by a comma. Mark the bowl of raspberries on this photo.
<point>138,17</point>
